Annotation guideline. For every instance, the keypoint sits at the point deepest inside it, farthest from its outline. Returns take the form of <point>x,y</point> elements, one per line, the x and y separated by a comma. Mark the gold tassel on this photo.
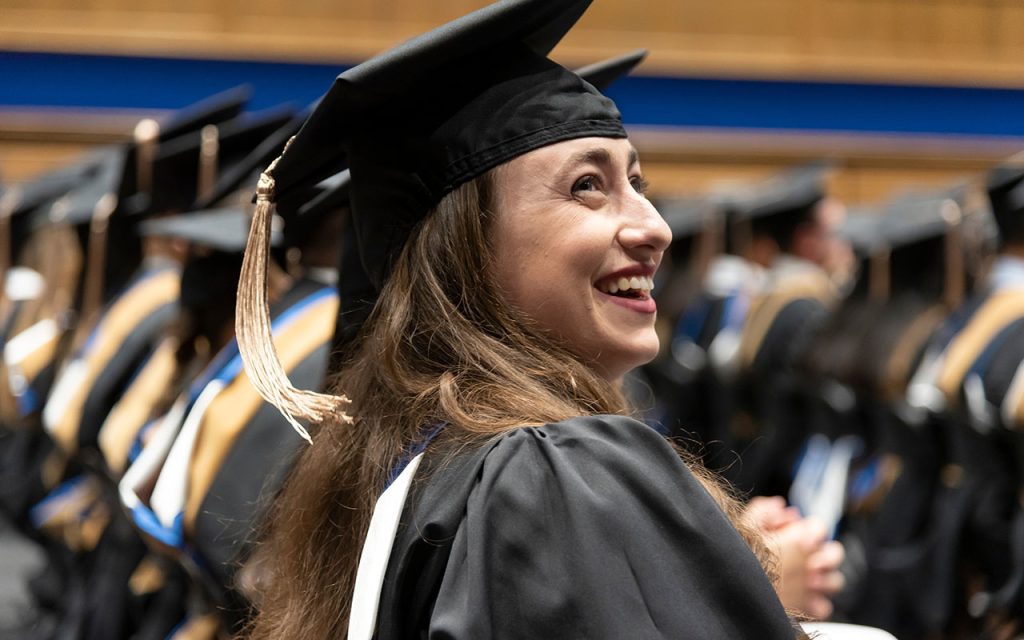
<point>96,264</point>
<point>8,203</point>
<point>954,286</point>
<point>209,150</point>
<point>147,136</point>
<point>252,328</point>
<point>879,276</point>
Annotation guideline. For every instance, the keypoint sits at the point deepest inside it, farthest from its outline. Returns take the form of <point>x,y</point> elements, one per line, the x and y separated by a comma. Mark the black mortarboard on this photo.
<point>791,193</point>
<point>27,206</point>
<point>775,207</point>
<point>52,185</point>
<point>236,176</point>
<point>916,230</point>
<point>603,74</point>
<point>220,107</point>
<point>210,274</point>
<point>224,230</point>
<point>300,222</point>
<point>922,218</point>
<point>108,176</point>
<point>413,124</point>
<point>493,95</point>
<point>176,167</point>
<point>863,230</point>
<point>96,189</point>
<point>215,110</point>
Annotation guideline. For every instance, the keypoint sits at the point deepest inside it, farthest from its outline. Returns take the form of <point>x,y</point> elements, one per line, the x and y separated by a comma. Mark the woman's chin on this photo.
<point>613,364</point>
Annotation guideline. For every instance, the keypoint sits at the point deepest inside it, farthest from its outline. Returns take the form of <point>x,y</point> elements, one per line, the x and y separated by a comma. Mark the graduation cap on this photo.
<point>109,179</point>
<point>777,206</point>
<point>225,230</point>
<point>604,74</point>
<point>300,222</point>
<point>22,205</point>
<point>188,166</point>
<point>220,107</point>
<point>494,95</point>
<point>357,288</point>
<point>116,182</point>
<point>239,174</point>
<point>924,255</point>
<point>791,194</point>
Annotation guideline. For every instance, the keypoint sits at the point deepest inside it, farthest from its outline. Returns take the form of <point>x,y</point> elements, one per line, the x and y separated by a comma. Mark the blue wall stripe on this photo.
<point>135,82</point>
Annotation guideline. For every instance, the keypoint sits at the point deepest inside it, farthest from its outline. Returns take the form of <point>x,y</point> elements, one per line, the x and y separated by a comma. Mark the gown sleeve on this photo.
<point>593,528</point>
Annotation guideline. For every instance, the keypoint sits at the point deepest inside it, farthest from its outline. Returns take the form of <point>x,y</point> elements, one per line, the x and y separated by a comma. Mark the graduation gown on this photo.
<point>972,518</point>
<point>695,380</point>
<point>246,448</point>
<point>772,425</point>
<point>92,382</point>
<point>220,452</point>
<point>588,528</point>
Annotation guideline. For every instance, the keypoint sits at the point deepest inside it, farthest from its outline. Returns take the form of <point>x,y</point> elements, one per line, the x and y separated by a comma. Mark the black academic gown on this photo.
<point>775,396</point>
<point>251,474</point>
<point>589,528</point>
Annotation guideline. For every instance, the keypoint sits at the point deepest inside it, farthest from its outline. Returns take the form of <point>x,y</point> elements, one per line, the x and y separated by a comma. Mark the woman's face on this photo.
<point>576,245</point>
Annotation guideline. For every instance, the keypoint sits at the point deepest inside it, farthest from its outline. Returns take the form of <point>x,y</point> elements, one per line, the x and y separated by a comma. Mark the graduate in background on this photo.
<point>245,448</point>
<point>880,467</point>
<point>123,314</point>
<point>964,381</point>
<point>787,230</point>
<point>218,456</point>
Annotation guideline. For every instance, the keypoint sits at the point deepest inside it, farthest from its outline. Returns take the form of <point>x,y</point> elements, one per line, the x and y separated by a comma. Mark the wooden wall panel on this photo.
<point>676,163</point>
<point>935,41</point>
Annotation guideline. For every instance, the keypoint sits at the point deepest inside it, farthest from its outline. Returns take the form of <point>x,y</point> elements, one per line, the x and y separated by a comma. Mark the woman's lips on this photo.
<point>640,305</point>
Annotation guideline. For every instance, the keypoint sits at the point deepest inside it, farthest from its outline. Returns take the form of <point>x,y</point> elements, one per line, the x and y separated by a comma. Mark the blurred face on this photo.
<point>817,240</point>
<point>576,246</point>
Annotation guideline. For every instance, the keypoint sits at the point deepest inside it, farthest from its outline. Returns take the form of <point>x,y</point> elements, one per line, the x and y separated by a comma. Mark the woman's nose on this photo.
<point>644,228</point>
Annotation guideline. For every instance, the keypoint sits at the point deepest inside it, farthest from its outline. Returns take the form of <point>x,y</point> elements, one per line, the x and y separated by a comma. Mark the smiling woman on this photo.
<point>485,481</point>
<point>576,244</point>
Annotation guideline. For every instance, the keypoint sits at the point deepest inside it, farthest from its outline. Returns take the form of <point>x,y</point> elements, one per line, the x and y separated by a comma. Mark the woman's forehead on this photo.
<point>582,151</point>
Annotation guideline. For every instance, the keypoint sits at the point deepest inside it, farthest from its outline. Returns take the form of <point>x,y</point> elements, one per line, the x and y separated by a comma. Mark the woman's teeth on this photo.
<point>639,284</point>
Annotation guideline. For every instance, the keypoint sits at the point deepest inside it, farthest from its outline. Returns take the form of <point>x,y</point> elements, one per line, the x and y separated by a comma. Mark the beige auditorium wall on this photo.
<point>956,42</point>
<point>949,41</point>
<point>682,163</point>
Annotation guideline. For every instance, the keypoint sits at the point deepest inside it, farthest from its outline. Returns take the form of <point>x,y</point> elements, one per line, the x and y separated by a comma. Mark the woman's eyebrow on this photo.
<point>596,156</point>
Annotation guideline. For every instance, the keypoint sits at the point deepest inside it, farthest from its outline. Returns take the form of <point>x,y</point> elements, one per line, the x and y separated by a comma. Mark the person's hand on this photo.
<point>808,561</point>
<point>770,514</point>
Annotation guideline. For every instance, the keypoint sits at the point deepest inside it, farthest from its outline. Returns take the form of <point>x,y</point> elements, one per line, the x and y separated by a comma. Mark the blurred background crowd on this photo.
<point>841,310</point>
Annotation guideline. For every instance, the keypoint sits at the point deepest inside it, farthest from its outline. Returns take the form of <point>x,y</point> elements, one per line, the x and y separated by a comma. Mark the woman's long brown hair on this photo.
<point>440,345</point>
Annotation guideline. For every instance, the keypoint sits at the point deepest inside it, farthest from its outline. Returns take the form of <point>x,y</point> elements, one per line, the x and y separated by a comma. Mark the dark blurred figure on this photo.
<point>965,386</point>
<point>790,233</point>
<point>912,275</point>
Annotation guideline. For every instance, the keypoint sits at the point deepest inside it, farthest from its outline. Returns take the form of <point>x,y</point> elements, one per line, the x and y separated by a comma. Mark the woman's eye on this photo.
<point>640,184</point>
<point>586,183</point>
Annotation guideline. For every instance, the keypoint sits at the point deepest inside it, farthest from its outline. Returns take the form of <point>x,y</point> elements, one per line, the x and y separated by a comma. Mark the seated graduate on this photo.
<point>507,252</point>
<point>968,380</point>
